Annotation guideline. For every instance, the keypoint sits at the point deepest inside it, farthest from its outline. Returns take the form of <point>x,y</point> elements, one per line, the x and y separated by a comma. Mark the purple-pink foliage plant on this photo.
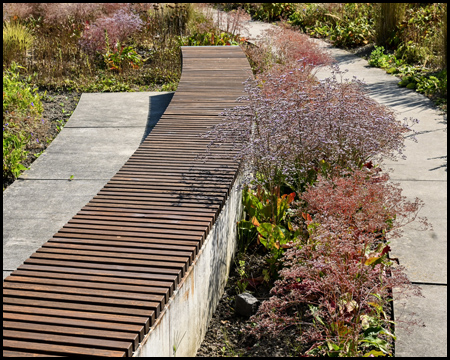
<point>17,10</point>
<point>335,284</point>
<point>281,47</point>
<point>291,127</point>
<point>118,28</point>
<point>59,14</point>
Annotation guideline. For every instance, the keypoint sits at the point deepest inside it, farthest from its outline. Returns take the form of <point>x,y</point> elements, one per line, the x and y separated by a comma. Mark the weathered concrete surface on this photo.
<point>102,133</point>
<point>428,339</point>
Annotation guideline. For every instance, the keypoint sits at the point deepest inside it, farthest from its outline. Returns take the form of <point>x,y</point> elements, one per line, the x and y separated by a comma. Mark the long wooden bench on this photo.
<point>100,283</point>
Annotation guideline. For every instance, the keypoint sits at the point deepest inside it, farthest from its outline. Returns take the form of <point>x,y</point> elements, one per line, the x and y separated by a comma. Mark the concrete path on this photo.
<point>102,133</point>
<point>423,174</point>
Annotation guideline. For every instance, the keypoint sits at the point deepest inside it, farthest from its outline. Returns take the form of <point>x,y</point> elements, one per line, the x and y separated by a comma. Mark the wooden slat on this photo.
<point>99,284</point>
<point>69,340</point>
<point>75,331</point>
<point>59,349</point>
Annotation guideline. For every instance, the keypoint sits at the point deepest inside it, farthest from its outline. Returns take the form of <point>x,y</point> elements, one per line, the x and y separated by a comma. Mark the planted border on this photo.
<point>322,142</point>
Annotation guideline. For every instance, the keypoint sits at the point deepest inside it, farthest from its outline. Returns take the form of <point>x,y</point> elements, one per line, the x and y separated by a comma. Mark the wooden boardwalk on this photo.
<point>98,285</point>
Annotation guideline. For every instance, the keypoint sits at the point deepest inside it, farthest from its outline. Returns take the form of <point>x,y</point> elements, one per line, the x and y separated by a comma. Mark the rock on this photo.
<point>246,304</point>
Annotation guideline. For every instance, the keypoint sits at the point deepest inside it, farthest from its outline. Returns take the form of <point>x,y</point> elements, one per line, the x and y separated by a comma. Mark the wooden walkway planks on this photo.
<point>98,285</point>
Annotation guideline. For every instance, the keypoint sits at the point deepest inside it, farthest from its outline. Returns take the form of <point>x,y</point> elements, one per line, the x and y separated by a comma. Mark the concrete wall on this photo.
<point>182,326</point>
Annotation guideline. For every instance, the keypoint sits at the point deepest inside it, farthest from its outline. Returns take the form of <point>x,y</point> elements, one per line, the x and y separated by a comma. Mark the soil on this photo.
<point>228,332</point>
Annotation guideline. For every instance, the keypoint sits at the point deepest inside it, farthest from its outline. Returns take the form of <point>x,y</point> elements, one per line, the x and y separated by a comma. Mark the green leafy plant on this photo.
<point>210,38</point>
<point>13,154</point>
<point>379,59</point>
<point>22,110</point>
<point>121,56</point>
<point>346,25</point>
<point>352,31</point>
<point>242,283</point>
<point>18,95</point>
<point>271,11</point>
<point>267,223</point>
<point>431,84</point>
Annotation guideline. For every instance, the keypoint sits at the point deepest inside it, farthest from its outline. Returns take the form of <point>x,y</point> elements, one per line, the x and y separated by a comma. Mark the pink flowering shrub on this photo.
<point>285,48</point>
<point>363,201</point>
<point>18,10</point>
<point>336,283</point>
<point>291,127</point>
<point>59,14</point>
<point>118,27</point>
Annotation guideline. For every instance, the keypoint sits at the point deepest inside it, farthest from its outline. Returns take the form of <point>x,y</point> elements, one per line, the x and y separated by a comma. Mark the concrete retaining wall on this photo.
<point>182,326</point>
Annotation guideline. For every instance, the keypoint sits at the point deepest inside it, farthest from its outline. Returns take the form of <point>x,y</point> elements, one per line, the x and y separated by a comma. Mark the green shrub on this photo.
<point>13,154</point>
<point>18,96</point>
<point>272,11</point>
<point>212,37</point>
<point>22,111</point>
<point>379,59</point>
<point>346,25</point>
<point>412,53</point>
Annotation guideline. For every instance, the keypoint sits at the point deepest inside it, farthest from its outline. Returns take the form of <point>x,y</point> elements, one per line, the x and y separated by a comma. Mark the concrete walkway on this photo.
<point>102,133</point>
<point>423,174</point>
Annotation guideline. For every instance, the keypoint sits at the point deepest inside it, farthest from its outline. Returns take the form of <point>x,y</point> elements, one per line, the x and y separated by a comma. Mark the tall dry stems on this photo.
<point>444,36</point>
<point>388,17</point>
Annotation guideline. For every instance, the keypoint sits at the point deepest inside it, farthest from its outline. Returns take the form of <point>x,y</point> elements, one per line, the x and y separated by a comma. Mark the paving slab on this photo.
<point>141,107</point>
<point>424,253</point>
<point>91,152</point>
<point>430,338</point>
<point>103,132</point>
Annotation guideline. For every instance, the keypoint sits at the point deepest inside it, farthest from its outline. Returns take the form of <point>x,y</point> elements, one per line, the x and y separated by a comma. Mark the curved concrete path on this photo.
<point>102,133</point>
<point>423,174</point>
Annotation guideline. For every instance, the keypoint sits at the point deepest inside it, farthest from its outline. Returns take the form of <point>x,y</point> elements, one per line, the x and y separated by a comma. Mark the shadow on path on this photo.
<point>157,106</point>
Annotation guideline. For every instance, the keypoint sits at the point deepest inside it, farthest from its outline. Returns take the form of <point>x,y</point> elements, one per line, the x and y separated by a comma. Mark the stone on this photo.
<point>246,304</point>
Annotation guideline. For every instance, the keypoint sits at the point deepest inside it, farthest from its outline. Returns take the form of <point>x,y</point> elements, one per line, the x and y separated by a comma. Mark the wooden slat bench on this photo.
<point>99,284</point>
